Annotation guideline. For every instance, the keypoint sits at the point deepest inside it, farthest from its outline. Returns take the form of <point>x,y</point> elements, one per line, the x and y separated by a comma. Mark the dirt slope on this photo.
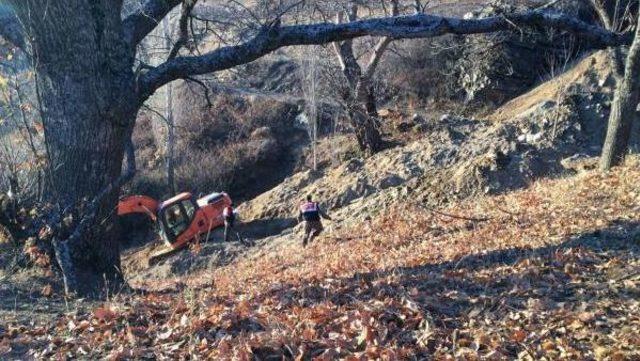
<point>456,157</point>
<point>592,73</point>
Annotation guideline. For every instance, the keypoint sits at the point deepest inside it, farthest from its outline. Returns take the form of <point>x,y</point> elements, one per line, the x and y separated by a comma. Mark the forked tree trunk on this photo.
<point>623,110</point>
<point>360,94</point>
<point>85,83</point>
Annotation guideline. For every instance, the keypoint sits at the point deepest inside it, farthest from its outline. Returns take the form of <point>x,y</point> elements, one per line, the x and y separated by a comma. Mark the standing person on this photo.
<point>311,213</point>
<point>229,215</point>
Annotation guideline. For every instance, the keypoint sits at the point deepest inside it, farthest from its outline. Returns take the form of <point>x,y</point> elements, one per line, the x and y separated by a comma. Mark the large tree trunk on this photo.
<point>372,102</point>
<point>363,114</point>
<point>366,129</point>
<point>85,83</point>
<point>623,110</point>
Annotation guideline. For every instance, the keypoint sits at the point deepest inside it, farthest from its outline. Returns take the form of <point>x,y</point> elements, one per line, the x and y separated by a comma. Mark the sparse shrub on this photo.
<point>240,145</point>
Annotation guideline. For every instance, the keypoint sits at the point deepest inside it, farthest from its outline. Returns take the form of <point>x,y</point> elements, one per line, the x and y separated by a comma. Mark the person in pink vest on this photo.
<point>229,215</point>
<point>311,213</point>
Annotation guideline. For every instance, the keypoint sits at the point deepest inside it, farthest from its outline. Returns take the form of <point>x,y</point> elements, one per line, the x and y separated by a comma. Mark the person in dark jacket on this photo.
<point>311,213</point>
<point>229,215</point>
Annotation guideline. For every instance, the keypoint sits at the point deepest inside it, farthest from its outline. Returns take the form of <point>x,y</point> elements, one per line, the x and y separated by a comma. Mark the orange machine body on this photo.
<point>180,219</point>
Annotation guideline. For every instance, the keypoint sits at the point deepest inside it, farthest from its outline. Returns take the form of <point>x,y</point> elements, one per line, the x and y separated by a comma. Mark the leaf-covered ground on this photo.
<point>551,272</point>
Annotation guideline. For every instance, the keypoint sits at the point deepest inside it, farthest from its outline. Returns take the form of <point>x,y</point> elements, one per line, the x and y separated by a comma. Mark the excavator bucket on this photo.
<point>138,204</point>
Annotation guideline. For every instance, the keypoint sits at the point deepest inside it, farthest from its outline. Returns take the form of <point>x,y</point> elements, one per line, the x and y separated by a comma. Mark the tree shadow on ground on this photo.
<point>263,228</point>
<point>562,276</point>
<point>24,297</point>
<point>440,277</point>
<point>215,253</point>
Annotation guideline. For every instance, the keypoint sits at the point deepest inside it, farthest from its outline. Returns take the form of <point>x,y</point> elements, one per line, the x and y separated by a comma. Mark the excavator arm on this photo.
<point>138,204</point>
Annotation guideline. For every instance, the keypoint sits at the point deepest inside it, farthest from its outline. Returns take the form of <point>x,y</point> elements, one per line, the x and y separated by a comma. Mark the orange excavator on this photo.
<point>181,219</point>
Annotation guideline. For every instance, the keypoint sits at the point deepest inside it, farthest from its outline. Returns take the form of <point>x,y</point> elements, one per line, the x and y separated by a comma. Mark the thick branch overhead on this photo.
<point>400,27</point>
<point>139,24</point>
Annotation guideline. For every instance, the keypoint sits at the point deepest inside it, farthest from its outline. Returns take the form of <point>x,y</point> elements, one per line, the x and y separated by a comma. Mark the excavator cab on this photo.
<point>179,220</point>
<point>175,216</point>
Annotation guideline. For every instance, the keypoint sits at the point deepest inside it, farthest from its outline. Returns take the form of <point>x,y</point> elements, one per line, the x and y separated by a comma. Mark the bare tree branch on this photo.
<point>380,48</point>
<point>376,56</point>
<point>11,29</point>
<point>604,17</point>
<point>207,93</point>
<point>139,24</point>
<point>344,52</point>
<point>183,27</point>
<point>274,37</point>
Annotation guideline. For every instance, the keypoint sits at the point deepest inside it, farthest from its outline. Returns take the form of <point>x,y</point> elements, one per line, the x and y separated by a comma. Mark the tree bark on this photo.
<point>170,149</point>
<point>366,130</point>
<point>84,79</point>
<point>371,102</point>
<point>623,110</point>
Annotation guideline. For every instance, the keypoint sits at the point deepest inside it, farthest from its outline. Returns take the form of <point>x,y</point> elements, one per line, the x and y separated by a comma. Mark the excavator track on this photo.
<point>161,254</point>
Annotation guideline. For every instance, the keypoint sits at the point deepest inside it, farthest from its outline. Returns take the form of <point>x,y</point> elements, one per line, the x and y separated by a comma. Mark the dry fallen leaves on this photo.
<point>552,274</point>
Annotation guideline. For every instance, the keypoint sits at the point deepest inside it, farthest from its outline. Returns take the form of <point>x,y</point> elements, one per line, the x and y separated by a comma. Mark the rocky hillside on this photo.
<point>455,157</point>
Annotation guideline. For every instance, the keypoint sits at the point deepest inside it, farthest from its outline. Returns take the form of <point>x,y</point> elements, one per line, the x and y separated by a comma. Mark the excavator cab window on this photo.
<point>175,219</point>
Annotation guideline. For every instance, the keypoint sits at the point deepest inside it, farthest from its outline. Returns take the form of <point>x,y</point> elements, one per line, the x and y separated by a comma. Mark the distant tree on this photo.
<point>624,109</point>
<point>91,88</point>
<point>360,97</point>
<point>620,122</point>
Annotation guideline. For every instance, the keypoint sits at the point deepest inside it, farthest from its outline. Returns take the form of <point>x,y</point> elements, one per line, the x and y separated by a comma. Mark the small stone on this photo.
<point>579,162</point>
<point>391,181</point>
<point>416,118</point>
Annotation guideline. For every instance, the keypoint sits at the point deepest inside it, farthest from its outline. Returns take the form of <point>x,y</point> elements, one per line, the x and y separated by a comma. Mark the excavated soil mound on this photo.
<point>456,157</point>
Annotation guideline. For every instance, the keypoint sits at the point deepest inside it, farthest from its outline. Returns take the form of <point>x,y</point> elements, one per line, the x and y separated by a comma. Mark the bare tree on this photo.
<point>171,132</point>
<point>310,91</point>
<point>620,124</point>
<point>360,96</point>
<point>91,88</point>
<point>22,158</point>
<point>624,109</point>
